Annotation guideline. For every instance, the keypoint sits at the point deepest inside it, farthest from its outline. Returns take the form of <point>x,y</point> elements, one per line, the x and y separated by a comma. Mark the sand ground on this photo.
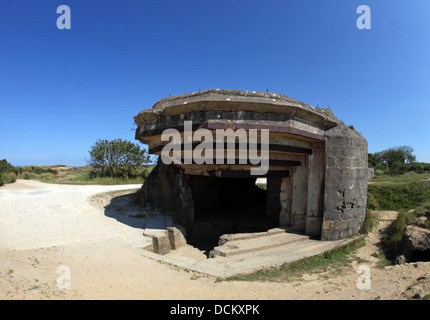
<point>49,233</point>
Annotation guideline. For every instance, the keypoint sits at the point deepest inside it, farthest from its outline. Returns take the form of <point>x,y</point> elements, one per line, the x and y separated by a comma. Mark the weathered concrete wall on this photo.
<point>300,197</point>
<point>285,217</point>
<point>167,189</point>
<point>345,190</point>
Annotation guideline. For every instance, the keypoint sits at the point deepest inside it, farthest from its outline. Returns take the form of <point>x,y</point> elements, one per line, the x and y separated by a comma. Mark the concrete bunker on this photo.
<point>316,178</point>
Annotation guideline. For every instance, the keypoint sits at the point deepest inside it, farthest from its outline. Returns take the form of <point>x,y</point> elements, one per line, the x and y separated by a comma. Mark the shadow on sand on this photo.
<point>124,209</point>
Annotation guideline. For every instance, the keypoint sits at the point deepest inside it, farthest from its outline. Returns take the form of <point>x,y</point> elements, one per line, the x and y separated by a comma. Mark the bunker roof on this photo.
<point>236,100</point>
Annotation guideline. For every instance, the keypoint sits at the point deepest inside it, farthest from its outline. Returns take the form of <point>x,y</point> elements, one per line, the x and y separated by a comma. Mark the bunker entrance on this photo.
<point>419,255</point>
<point>223,206</point>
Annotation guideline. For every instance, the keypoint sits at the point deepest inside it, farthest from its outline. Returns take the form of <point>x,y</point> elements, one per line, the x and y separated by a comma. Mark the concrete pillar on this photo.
<point>314,208</point>
<point>299,197</point>
<point>186,209</point>
<point>285,217</point>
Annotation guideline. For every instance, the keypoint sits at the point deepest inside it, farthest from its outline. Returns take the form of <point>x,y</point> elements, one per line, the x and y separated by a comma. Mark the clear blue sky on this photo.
<point>61,90</point>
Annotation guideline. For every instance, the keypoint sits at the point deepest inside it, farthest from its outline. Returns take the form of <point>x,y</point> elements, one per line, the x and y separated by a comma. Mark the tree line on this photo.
<point>397,160</point>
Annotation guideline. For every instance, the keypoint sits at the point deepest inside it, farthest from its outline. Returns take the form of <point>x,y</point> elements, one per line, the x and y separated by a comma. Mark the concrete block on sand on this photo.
<point>161,244</point>
<point>176,238</point>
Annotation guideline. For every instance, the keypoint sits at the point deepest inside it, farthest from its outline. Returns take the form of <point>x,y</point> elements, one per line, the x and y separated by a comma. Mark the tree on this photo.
<point>393,160</point>
<point>117,158</point>
<point>5,166</point>
<point>398,156</point>
<point>7,172</point>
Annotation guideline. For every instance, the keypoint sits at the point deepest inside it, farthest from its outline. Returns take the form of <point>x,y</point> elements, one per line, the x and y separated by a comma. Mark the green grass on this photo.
<point>62,174</point>
<point>334,260</point>
<point>396,234</point>
<point>404,192</point>
<point>423,210</point>
<point>400,179</point>
<point>262,186</point>
<point>383,261</point>
<point>370,222</point>
<point>409,194</point>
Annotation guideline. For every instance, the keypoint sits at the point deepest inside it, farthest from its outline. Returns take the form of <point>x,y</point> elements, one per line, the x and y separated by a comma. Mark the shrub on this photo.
<point>8,177</point>
<point>5,166</point>
<point>379,172</point>
<point>38,169</point>
<point>397,160</point>
<point>7,172</point>
<point>117,158</point>
<point>26,175</point>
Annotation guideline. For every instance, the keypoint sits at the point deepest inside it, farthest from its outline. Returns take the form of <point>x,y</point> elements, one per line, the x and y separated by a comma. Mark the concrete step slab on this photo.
<point>259,243</point>
<point>242,236</point>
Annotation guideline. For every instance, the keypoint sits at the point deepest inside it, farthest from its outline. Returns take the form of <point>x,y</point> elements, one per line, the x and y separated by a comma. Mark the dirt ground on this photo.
<point>51,233</point>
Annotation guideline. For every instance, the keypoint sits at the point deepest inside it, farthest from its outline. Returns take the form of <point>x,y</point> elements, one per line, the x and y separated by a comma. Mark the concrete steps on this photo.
<point>253,253</point>
<point>238,244</point>
<point>242,236</point>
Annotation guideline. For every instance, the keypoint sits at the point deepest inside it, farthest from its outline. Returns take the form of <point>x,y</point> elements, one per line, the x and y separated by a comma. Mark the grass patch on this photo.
<point>370,222</point>
<point>384,179</point>
<point>409,194</point>
<point>62,174</point>
<point>335,260</point>
<point>262,186</point>
<point>421,214</point>
<point>392,240</point>
<point>396,234</point>
<point>403,192</point>
<point>383,261</point>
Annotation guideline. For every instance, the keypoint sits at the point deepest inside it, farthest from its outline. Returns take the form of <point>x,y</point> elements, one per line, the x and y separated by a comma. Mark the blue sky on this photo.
<point>61,90</point>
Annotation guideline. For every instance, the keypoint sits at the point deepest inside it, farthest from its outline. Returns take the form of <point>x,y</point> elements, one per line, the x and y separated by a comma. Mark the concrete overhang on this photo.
<point>237,101</point>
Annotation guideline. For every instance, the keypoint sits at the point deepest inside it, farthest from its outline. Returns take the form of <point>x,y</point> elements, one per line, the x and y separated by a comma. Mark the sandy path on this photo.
<point>35,215</point>
<point>45,226</point>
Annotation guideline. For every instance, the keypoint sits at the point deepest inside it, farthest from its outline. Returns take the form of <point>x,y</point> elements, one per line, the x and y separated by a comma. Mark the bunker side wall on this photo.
<point>345,186</point>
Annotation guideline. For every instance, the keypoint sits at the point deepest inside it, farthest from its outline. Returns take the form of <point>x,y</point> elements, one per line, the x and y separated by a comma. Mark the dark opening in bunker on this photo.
<point>223,206</point>
<point>419,256</point>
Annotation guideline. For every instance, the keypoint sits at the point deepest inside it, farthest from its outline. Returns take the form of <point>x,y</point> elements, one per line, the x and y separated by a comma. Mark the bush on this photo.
<point>7,172</point>
<point>397,160</point>
<point>117,159</point>
<point>379,172</point>
<point>418,167</point>
<point>8,177</point>
<point>26,175</point>
<point>37,170</point>
<point>5,166</point>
